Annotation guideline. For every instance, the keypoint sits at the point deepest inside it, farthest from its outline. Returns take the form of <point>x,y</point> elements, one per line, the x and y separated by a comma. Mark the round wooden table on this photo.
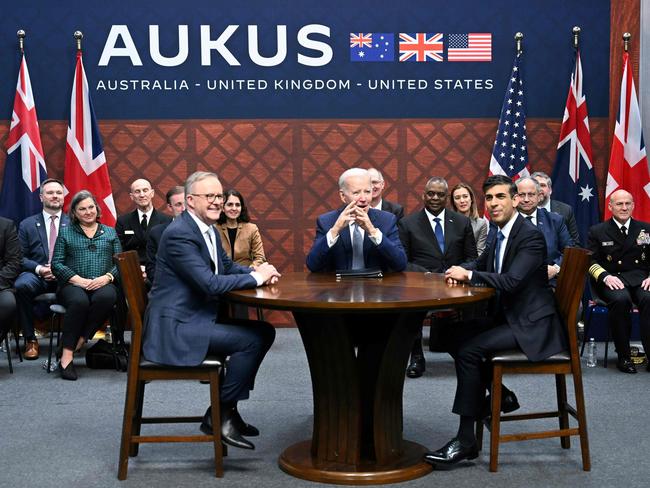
<point>358,335</point>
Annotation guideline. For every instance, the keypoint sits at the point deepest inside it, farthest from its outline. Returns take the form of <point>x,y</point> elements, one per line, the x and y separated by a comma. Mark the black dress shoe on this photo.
<point>244,429</point>
<point>625,365</point>
<point>229,433</point>
<point>509,403</point>
<point>68,373</point>
<point>416,367</point>
<point>451,453</point>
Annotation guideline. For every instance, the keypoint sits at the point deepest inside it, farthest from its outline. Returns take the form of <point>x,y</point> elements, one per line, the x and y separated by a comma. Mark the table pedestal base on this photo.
<point>297,461</point>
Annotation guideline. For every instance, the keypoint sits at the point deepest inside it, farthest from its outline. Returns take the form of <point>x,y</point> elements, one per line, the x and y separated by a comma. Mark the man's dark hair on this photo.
<point>175,190</point>
<point>243,216</point>
<point>50,180</point>
<point>495,180</point>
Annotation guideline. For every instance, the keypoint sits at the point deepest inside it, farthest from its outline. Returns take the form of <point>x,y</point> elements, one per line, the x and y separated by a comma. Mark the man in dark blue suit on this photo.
<point>37,235</point>
<point>356,236</point>
<point>524,316</point>
<point>181,322</point>
<point>552,225</point>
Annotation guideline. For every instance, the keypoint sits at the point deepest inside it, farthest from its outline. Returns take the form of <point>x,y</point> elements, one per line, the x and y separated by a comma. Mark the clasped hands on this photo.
<point>456,275</point>
<point>269,274</point>
<point>88,284</point>
<point>352,213</point>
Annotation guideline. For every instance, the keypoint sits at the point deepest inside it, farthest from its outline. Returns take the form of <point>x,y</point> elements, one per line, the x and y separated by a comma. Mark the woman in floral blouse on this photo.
<point>83,266</point>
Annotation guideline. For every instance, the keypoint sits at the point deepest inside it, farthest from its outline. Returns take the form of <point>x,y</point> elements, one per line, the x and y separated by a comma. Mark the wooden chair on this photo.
<point>142,371</point>
<point>568,294</point>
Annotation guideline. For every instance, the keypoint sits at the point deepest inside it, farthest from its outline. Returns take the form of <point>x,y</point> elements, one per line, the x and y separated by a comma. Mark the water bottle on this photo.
<point>591,353</point>
<point>108,334</point>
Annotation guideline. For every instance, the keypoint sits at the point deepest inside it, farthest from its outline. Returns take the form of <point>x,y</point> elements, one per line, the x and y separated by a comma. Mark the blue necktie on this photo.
<point>440,237</point>
<point>497,252</point>
<point>357,249</point>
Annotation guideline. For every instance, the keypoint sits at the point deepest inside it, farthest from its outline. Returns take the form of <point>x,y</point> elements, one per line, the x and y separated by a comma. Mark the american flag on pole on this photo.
<point>628,162</point>
<point>574,182</point>
<point>470,47</point>
<point>510,152</point>
<point>420,47</point>
<point>85,162</point>
<point>25,163</point>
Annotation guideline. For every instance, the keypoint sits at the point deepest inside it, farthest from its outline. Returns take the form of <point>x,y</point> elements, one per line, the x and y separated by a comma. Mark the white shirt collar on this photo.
<point>505,230</point>
<point>626,224</point>
<point>141,213</point>
<point>440,216</point>
<point>203,227</point>
<point>46,216</point>
<point>533,215</point>
<point>378,206</point>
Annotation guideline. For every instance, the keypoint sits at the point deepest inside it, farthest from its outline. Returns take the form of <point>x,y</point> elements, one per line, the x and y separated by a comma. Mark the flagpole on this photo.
<point>626,41</point>
<point>519,37</point>
<point>78,35</point>
<point>576,37</point>
<point>21,40</point>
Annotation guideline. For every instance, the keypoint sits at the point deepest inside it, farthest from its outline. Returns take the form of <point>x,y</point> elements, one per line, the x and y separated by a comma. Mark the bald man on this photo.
<point>620,273</point>
<point>133,228</point>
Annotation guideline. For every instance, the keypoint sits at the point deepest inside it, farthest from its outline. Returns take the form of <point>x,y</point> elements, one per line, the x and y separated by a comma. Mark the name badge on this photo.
<point>129,232</point>
<point>604,244</point>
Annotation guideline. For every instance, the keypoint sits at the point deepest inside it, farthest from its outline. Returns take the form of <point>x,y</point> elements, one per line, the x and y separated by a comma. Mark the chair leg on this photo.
<point>606,350</point>
<point>216,423</point>
<point>18,352</point>
<point>495,429</point>
<point>560,388</point>
<point>585,335</point>
<point>582,420</point>
<point>127,429</point>
<point>137,418</point>
<point>8,347</point>
<point>49,354</point>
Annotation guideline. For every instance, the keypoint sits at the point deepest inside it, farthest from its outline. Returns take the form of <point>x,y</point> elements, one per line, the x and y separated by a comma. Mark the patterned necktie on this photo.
<point>212,249</point>
<point>440,237</point>
<point>53,234</point>
<point>497,252</point>
<point>143,222</point>
<point>357,249</point>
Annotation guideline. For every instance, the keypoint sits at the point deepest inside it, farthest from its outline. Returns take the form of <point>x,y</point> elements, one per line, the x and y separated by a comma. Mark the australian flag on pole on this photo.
<point>510,152</point>
<point>25,163</point>
<point>573,177</point>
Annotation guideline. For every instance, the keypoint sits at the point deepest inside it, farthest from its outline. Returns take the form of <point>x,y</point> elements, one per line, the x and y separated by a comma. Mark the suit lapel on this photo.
<point>205,252</point>
<point>490,246</point>
<point>450,229</point>
<point>511,238</point>
<point>632,234</point>
<point>42,234</point>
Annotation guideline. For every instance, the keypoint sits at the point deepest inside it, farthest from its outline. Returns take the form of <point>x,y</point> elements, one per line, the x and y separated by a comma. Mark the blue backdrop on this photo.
<point>441,89</point>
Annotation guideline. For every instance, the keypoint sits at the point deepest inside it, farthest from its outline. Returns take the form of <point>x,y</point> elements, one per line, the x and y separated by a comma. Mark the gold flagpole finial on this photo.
<point>519,37</point>
<point>21,40</point>
<point>576,37</point>
<point>626,41</point>
<point>78,35</point>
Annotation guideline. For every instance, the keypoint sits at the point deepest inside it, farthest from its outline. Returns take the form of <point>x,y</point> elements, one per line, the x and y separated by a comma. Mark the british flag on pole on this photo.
<point>85,162</point>
<point>628,162</point>
<point>25,163</point>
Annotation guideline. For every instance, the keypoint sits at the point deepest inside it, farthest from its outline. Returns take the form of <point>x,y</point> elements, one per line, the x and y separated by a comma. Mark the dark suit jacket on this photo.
<point>389,255</point>
<point>130,232</point>
<point>395,208</point>
<point>10,253</point>
<point>566,211</point>
<point>32,235</point>
<point>422,249</point>
<point>628,258</point>
<point>525,300</point>
<point>184,298</point>
<point>153,241</point>
<point>555,233</point>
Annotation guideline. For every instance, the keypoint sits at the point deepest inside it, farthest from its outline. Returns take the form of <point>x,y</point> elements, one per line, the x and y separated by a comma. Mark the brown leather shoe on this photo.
<point>31,350</point>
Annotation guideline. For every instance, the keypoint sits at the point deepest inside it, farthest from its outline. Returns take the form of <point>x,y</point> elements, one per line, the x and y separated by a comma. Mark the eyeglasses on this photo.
<point>527,195</point>
<point>439,194</point>
<point>210,197</point>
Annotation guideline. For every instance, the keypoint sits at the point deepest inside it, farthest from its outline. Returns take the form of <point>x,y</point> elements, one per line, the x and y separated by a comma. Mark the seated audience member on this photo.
<point>524,315</point>
<point>551,224</point>
<point>10,256</point>
<point>241,238</point>
<point>556,206</point>
<point>434,239</point>
<point>83,266</point>
<point>133,228</point>
<point>378,202</point>
<point>37,235</point>
<point>620,270</point>
<point>182,325</point>
<point>176,204</point>
<point>356,236</point>
<point>463,201</point>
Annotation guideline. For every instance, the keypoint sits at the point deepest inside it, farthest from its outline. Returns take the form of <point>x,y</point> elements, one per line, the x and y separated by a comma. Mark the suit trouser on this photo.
<point>28,286</point>
<point>619,305</point>
<point>7,310</point>
<point>86,311</point>
<point>246,342</point>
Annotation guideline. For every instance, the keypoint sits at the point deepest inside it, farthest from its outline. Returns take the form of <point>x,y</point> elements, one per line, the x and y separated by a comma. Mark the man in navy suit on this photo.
<point>181,322</point>
<point>37,235</point>
<point>356,236</point>
<point>556,206</point>
<point>551,224</point>
<point>524,315</point>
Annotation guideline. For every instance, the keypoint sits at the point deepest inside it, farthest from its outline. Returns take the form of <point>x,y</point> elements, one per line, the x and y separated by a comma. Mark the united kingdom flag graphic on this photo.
<point>420,47</point>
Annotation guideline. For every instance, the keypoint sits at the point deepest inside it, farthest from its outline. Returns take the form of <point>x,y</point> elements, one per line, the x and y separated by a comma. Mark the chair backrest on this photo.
<point>135,293</point>
<point>569,290</point>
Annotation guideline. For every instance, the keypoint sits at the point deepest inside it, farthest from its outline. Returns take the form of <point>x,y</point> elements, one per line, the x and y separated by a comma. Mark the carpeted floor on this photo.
<point>66,434</point>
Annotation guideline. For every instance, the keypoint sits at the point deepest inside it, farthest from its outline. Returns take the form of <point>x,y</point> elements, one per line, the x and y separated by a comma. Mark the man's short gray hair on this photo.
<point>523,179</point>
<point>437,179</point>
<point>196,177</point>
<point>350,173</point>
<point>541,174</point>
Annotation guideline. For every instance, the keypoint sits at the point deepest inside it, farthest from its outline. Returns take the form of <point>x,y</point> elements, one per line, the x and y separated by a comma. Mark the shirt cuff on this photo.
<point>37,270</point>
<point>376,240</point>
<point>331,240</point>
<point>469,275</point>
<point>258,278</point>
